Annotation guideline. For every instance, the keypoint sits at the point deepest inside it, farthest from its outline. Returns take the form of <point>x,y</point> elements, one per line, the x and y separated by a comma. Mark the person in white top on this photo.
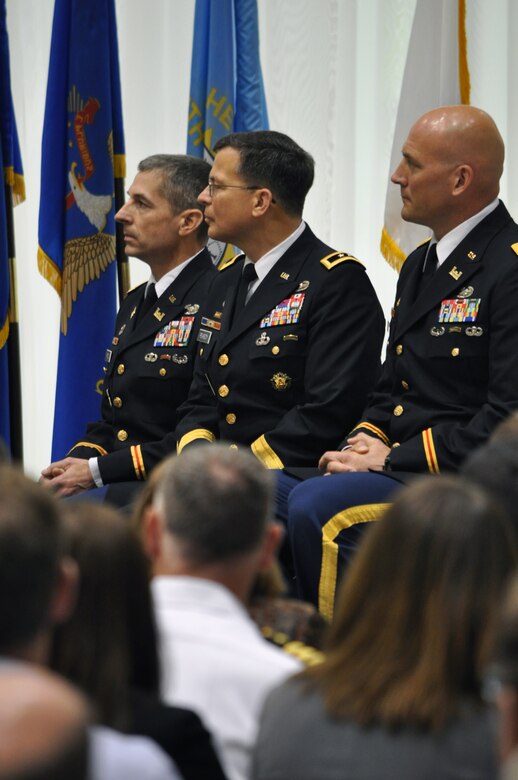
<point>207,542</point>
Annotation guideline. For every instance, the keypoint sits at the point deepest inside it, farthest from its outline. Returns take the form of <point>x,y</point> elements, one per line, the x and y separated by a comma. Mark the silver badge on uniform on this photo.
<point>474,330</point>
<point>204,336</point>
<point>303,286</point>
<point>108,355</point>
<point>150,357</point>
<point>263,339</point>
<point>466,292</point>
<point>192,308</point>
<point>179,359</point>
<point>435,331</point>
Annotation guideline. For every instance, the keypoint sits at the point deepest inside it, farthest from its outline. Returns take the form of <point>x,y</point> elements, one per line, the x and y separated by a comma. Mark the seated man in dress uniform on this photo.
<point>451,370</point>
<point>149,364</point>
<point>289,344</point>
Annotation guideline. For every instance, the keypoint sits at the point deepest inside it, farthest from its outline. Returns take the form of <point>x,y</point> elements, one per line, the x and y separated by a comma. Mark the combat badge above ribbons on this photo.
<point>459,310</point>
<point>175,334</point>
<point>286,312</point>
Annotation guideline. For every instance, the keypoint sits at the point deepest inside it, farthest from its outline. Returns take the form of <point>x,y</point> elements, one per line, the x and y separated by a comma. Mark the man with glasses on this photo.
<point>290,338</point>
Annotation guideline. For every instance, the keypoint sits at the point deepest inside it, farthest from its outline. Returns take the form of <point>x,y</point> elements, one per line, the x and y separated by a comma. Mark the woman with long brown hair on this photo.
<point>399,695</point>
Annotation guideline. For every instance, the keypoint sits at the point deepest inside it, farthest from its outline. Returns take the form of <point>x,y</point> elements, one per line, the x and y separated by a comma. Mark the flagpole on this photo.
<point>13,344</point>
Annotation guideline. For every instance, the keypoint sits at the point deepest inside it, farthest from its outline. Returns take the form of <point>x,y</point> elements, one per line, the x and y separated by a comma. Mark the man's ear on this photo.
<point>463,176</point>
<point>272,541</point>
<point>151,533</point>
<point>263,199</point>
<point>66,591</point>
<point>190,221</point>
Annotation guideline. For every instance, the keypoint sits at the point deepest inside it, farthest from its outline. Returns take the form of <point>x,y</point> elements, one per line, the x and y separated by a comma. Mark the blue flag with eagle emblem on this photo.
<point>227,90</point>
<point>82,154</point>
<point>12,176</point>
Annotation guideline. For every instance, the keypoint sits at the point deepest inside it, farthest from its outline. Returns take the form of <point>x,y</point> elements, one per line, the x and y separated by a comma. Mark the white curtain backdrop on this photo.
<point>332,71</point>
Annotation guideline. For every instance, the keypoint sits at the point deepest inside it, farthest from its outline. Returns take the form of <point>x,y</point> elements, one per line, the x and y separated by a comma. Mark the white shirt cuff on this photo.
<point>94,470</point>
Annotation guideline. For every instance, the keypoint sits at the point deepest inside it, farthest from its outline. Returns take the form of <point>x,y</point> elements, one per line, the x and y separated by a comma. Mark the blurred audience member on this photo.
<point>43,726</point>
<point>108,648</point>
<point>505,672</point>
<point>399,694</point>
<point>37,592</point>
<point>208,540</point>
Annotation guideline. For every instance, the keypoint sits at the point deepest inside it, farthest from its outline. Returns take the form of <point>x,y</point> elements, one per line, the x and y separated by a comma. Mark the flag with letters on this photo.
<point>436,74</point>
<point>82,155</point>
<point>12,191</point>
<point>227,90</point>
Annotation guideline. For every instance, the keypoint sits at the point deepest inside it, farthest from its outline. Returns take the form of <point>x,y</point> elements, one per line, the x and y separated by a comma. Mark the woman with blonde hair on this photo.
<point>399,694</point>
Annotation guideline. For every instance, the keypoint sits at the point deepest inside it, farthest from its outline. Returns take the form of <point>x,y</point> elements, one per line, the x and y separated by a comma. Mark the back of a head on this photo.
<point>43,726</point>
<point>108,646</point>
<point>30,552</point>
<point>183,178</point>
<point>215,502</point>
<point>273,160</point>
<point>494,467</point>
<point>437,563</point>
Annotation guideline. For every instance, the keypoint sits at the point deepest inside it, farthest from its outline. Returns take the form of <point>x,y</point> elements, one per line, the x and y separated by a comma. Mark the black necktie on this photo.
<point>147,303</point>
<point>248,275</point>
<point>430,264</point>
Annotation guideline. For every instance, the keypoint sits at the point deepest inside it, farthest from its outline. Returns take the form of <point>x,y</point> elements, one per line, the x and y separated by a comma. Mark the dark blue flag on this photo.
<point>11,168</point>
<point>227,91</point>
<point>82,154</point>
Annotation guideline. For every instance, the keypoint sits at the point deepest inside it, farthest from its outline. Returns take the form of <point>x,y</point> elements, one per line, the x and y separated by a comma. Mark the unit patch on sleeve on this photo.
<point>286,312</point>
<point>459,310</point>
<point>175,334</point>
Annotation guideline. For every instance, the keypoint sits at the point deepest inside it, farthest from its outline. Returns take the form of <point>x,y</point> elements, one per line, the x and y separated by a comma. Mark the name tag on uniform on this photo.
<point>175,334</point>
<point>459,310</point>
<point>285,313</point>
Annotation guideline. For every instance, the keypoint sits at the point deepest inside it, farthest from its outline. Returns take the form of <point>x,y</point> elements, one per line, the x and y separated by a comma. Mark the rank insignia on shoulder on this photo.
<point>224,264</point>
<point>466,292</point>
<point>280,381</point>
<point>192,308</point>
<point>303,286</point>
<point>336,258</point>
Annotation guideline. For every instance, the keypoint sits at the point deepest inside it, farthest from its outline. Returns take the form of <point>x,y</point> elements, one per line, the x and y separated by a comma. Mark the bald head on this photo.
<point>43,726</point>
<point>452,163</point>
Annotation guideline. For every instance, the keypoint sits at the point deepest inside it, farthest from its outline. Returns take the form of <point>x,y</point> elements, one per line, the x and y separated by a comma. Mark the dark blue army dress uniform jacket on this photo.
<point>451,371</point>
<point>148,373</point>
<point>293,369</point>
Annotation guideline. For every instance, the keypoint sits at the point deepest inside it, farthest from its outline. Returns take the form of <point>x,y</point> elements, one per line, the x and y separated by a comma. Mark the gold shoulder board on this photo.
<point>224,264</point>
<point>335,258</point>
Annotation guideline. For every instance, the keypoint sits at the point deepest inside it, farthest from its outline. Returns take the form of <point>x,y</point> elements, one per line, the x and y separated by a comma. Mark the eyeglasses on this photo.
<point>211,186</point>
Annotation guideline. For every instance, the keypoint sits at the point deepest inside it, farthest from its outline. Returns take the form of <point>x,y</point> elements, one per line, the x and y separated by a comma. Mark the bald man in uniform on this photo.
<point>451,370</point>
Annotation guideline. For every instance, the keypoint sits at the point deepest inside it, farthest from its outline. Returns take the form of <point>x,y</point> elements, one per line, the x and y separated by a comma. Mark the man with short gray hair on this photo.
<point>149,364</point>
<point>208,540</point>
